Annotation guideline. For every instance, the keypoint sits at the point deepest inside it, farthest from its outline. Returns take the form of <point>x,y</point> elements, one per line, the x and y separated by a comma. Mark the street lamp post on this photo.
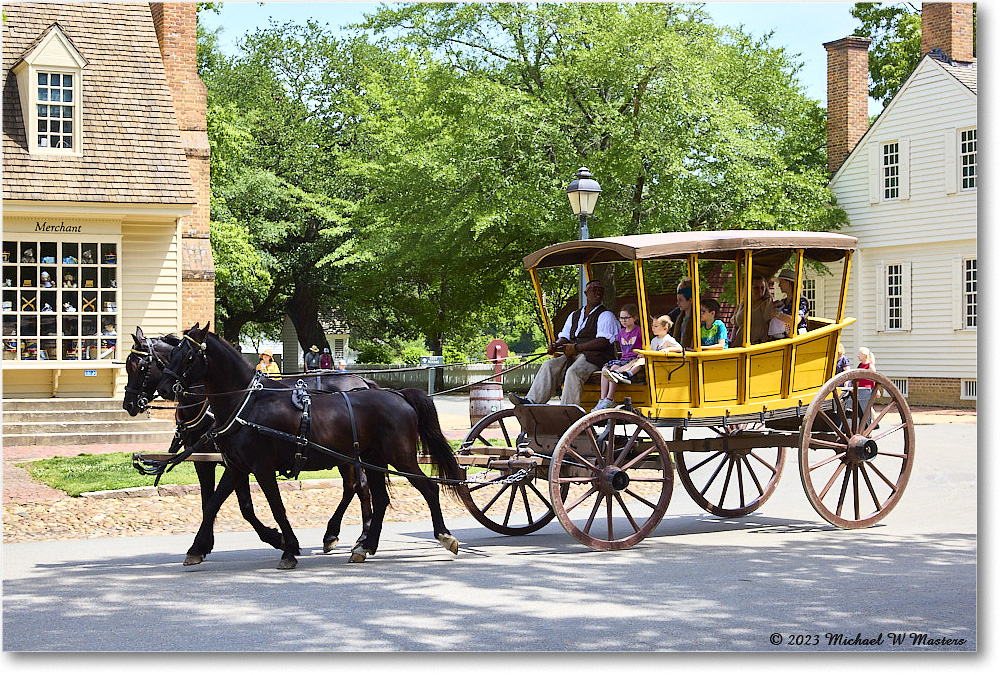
<point>583,193</point>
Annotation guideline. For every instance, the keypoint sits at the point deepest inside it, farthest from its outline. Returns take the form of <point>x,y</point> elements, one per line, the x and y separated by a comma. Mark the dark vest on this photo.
<point>589,332</point>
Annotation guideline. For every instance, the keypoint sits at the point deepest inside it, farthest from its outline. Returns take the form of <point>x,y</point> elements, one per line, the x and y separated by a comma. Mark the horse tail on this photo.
<point>429,428</point>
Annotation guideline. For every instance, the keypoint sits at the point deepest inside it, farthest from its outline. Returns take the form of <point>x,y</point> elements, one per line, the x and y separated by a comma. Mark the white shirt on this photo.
<point>663,342</point>
<point>607,325</point>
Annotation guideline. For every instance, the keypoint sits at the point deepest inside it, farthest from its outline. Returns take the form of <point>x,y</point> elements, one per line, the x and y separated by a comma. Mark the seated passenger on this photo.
<point>683,328</point>
<point>583,347</point>
<point>713,331</point>
<point>786,281</point>
<point>612,377</point>
<point>761,312</point>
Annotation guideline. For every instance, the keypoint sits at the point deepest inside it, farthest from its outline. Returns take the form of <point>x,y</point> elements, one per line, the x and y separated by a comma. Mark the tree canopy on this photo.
<point>430,152</point>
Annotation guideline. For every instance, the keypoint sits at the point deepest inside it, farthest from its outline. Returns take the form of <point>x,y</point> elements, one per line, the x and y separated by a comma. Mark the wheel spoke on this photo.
<point>628,447</point>
<point>628,515</point>
<point>888,431</point>
<point>824,462</point>
<point>843,415</point>
<point>495,497</point>
<point>597,448</point>
<point>871,405</point>
<point>570,480</point>
<point>857,495</point>
<point>882,476</point>
<point>611,519</point>
<point>638,458</point>
<point>527,506</point>
<point>544,498</point>
<point>586,462</point>
<point>713,477</point>
<point>593,514</point>
<point>725,484</point>
<point>762,461</point>
<point>704,462</point>
<point>570,507</point>
<point>885,410</point>
<point>832,480</point>
<point>753,475</point>
<point>506,434</point>
<point>510,505</point>
<point>871,489</point>
<point>843,493</point>
<point>823,443</point>
<point>608,456</point>
<point>855,404</point>
<point>833,426</point>
<point>640,498</point>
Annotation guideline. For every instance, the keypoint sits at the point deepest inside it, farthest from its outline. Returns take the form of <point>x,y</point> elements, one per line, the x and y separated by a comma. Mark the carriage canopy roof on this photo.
<point>712,245</point>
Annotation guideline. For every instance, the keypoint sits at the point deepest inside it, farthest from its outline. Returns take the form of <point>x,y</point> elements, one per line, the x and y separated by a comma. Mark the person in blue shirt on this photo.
<point>713,331</point>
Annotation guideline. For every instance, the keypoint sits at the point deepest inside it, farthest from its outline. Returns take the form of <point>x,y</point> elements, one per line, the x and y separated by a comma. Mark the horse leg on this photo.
<point>206,479</point>
<point>332,535</point>
<point>204,540</point>
<point>269,485</point>
<point>368,543</point>
<point>268,535</point>
<point>429,490</point>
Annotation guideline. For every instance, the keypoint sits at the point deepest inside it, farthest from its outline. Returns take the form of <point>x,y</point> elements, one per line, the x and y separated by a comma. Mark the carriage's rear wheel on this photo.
<point>619,478</point>
<point>855,460</point>
<point>731,481</point>
<point>511,508</point>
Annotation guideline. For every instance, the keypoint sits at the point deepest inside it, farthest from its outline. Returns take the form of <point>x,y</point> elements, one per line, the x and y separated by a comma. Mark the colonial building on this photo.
<point>105,190</point>
<point>909,186</point>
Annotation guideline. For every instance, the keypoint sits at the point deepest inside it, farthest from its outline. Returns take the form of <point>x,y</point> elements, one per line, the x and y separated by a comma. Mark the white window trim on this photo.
<point>969,390</point>
<point>876,193</point>
<point>958,294</point>
<point>958,167</point>
<point>882,297</point>
<point>54,53</point>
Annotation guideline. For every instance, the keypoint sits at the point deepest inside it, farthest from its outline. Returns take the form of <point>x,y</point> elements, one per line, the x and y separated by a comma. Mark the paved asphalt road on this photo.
<point>698,584</point>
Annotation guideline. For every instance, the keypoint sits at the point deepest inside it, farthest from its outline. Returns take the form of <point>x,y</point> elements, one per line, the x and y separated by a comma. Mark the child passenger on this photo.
<point>663,342</point>
<point>713,331</point>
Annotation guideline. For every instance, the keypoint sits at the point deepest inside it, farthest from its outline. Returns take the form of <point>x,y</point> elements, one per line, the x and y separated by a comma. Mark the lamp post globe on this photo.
<point>583,193</point>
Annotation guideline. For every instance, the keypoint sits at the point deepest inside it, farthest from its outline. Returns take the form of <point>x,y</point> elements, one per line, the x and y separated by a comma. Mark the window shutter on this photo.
<point>957,294</point>
<point>950,161</point>
<point>904,168</point>
<point>907,296</point>
<point>875,173</point>
<point>880,298</point>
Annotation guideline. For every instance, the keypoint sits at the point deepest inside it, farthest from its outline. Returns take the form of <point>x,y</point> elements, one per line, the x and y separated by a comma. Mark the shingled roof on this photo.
<point>132,151</point>
<point>963,72</point>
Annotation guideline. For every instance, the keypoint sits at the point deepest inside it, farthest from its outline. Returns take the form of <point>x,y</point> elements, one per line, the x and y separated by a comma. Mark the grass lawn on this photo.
<point>114,471</point>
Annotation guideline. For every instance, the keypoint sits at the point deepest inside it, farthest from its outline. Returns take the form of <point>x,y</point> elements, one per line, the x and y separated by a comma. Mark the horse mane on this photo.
<point>233,352</point>
<point>170,339</point>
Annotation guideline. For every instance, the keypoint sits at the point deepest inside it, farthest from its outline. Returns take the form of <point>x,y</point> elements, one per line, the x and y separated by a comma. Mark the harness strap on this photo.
<point>302,440</point>
<point>360,480</point>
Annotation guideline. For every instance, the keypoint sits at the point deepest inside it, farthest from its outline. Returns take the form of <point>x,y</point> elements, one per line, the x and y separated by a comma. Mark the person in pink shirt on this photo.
<point>627,340</point>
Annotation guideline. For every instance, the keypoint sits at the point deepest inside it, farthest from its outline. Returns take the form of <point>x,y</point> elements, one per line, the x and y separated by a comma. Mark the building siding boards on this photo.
<point>931,230</point>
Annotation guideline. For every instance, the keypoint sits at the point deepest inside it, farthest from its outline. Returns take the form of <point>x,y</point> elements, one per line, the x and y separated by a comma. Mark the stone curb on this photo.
<point>179,490</point>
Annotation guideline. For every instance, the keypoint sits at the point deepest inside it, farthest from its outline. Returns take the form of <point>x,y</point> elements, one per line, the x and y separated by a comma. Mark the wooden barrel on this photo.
<point>484,398</point>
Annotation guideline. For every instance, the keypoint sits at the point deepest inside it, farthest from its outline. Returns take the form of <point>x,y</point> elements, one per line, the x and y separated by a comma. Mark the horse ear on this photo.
<point>195,326</point>
<point>207,324</point>
<point>138,334</point>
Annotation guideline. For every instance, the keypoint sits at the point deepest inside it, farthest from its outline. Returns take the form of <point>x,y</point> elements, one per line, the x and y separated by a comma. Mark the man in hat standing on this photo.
<point>312,358</point>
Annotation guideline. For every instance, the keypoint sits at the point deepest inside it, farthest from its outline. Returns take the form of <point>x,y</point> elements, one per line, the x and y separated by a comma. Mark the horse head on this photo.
<point>144,367</point>
<point>187,365</point>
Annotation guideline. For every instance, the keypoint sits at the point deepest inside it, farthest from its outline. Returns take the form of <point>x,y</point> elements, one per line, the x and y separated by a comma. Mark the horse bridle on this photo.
<point>181,384</point>
<point>143,397</point>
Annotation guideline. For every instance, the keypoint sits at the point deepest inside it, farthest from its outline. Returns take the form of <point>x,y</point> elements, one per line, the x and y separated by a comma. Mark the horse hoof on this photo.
<point>287,564</point>
<point>358,557</point>
<point>330,545</point>
<point>191,559</point>
<point>449,542</point>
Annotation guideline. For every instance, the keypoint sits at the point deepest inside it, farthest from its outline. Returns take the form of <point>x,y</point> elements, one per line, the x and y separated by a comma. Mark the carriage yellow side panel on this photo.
<point>721,378</point>
<point>811,368</point>
<point>672,386</point>
<point>765,374</point>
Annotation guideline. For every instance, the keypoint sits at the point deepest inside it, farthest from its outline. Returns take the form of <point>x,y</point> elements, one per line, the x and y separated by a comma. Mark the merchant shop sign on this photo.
<point>61,227</point>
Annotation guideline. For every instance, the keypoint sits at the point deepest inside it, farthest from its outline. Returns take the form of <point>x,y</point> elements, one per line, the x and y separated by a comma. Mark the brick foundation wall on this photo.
<point>947,26</point>
<point>942,392</point>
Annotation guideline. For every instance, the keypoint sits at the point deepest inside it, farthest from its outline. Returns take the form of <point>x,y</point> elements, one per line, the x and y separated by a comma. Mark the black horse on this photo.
<point>144,367</point>
<point>259,426</point>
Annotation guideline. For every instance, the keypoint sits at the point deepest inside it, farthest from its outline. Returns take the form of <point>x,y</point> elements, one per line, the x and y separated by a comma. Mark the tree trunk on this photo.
<point>303,309</point>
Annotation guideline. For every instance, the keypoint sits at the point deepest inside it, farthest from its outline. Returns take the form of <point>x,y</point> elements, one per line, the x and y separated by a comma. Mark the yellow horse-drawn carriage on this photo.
<point>732,412</point>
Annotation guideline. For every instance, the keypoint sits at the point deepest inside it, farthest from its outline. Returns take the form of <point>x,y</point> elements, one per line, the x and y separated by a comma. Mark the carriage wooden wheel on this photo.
<point>619,475</point>
<point>504,507</point>
<point>855,460</point>
<point>732,478</point>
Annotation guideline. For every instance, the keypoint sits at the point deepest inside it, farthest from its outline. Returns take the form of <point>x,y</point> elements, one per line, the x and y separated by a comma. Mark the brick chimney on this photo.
<point>947,26</point>
<point>846,97</point>
<point>176,26</point>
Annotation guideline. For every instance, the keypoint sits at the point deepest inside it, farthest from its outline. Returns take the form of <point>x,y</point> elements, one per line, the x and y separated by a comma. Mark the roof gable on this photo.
<point>960,75</point>
<point>132,151</point>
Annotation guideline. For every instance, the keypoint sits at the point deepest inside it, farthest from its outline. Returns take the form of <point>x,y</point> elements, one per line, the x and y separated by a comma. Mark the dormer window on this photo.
<point>55,109</point>
<point>49,82</point>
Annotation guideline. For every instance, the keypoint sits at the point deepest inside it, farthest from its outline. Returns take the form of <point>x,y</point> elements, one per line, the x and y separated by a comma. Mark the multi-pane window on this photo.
<point>54,120</point>
<point>967,151</point>
<point>890,170</point>
<point>969,292</point>
<point>894,296</point>
<point>809,293</point>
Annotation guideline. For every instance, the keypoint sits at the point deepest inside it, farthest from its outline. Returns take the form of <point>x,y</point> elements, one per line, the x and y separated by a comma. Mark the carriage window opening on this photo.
<point>890,171</point>
<point>969,292</point>
<point>968,155</point>
<point>894,297</point>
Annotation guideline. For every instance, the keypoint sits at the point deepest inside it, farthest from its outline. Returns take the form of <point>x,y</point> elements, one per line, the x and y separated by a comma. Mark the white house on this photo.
<point>909,189</point>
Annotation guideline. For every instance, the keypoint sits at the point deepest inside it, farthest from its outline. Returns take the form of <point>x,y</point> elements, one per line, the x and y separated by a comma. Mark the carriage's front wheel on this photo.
<point>610,479</point>
<point>733,478</point>
<point>855,459</point>
<point>495,496</point>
